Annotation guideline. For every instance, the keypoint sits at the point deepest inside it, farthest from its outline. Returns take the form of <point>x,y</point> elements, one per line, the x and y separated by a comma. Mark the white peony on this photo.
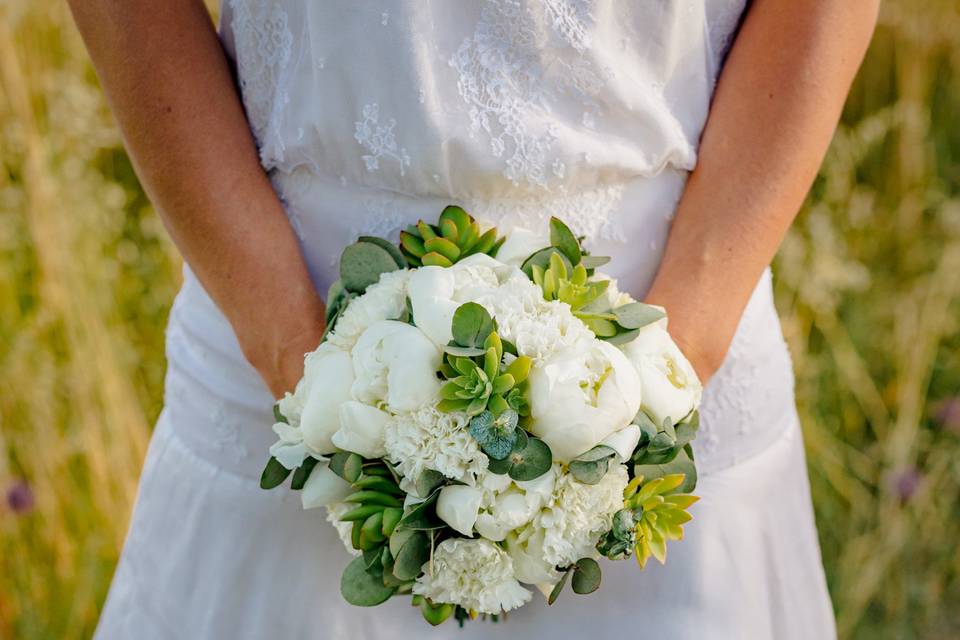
<point>384,300</point>
<point>529,566</point>
<point>436,292</point>
<point>496,505</point>
<point>521,244</point>
<point>509,505</point>
<point>431,439</point>
<point>612,297</point>
<point>579,514</point>
<point>395,363</point>
<point>670,385</point>
<point>476,574</point>
<point>458,505</point>
<point>623,441</point>
<point>328,373</point>
<point>581,396</point>
<point>289,449</point>
<point>323,487</point>
<point>362,429</point>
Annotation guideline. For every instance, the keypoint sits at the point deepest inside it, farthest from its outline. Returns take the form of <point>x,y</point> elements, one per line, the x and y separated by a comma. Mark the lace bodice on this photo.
<point>371,115</point>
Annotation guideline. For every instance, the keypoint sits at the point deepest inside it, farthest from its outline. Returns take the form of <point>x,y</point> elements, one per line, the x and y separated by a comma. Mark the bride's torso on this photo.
<point>372,115</point>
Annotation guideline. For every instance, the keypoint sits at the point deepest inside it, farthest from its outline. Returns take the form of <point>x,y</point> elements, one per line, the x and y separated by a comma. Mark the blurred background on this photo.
<point>868,287</point>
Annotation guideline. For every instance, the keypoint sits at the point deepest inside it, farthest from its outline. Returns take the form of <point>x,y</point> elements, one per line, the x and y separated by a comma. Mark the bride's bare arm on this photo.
<point>775,109</point>
<point>170,87</point>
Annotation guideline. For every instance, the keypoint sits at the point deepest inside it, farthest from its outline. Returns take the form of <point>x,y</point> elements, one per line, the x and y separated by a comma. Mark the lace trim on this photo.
<point>263,46</point>
<point>379,139</point>
<point>501,78</point>
<point>589,213</point>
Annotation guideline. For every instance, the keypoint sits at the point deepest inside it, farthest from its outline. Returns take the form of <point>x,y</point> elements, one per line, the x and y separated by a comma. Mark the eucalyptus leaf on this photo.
<point>347,465</point>
<point>362,263</point>
<point>388,247</point>
<point>636,315</point>
<point>273,474</point>
<point>302,473</point>
<point>471,325</point>
<point>590,472</point>
<point>557,588</point>
<point>532,461</point>
<point>429,480</point>
<point>362,589</point>
<point>562,238</point>
<point>411,556</point>
<point>622,337</point>
<point>592,262</point>
<point>463,352</point>
<point>681,463</point>
<point>277,416</point>
<point>586,576</point>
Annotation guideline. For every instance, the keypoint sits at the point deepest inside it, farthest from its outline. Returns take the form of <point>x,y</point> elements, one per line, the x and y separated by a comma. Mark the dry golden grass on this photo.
<point>868,287</point>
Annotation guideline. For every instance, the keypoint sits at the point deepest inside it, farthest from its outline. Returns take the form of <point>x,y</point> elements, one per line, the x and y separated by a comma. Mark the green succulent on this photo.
<point>455,236</point>
<point>658,514</point>
<point>570,285</point>
<point>394,541</point>
<point>476,383</point>
<point>476,377</point>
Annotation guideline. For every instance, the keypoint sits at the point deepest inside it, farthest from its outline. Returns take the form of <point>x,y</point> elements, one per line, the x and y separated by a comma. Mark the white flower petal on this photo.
<point>458,505</point>
<point>361,429</point>
<point>623,441</point>
<point>289,455</point>
<point>330,374</point>
<point>323,487</point>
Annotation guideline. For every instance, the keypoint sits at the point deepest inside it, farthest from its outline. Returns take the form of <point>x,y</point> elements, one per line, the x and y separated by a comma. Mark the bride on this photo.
<point>366,116</point>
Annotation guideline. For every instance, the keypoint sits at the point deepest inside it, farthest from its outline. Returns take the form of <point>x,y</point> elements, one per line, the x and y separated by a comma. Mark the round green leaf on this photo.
<point>532,461</point>
<point>390,248</point>
<point>361,588</point>
<point>362,263</point>
<point>586,576</point>
<point>471,325</point>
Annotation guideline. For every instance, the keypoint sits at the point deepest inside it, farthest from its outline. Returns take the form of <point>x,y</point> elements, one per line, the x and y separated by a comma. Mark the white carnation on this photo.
<point>385,300</point>
<point>537,327</point>
<point>335,511</point>
<point>430,439</point>
<point>579,514</point>
<point>475,574</point>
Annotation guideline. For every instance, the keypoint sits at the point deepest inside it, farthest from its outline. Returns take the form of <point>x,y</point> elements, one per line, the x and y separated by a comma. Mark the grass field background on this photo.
<point>868,287</point>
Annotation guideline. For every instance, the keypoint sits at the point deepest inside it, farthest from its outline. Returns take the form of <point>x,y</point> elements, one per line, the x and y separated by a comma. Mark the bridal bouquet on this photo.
<point>485,413</point>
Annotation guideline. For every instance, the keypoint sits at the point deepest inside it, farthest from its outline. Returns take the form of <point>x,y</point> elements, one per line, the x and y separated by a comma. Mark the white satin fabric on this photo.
<point>371,115</point>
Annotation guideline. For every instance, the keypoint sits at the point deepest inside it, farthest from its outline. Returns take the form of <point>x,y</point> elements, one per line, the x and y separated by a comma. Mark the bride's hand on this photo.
<point>277,355</point>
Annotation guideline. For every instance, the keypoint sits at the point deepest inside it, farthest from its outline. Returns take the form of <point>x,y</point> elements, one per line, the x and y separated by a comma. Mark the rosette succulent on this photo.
<point>455,236</point>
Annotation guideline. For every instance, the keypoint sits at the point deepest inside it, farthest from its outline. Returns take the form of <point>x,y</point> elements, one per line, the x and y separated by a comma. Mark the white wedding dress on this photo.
<point>370,115</point>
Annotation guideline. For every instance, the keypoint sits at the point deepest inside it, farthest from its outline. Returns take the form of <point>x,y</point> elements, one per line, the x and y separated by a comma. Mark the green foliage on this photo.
<point>590,467</point>
<point>665,449</point>
<point>659,514</point>
<point>474,370</point>
<point>455,236</point>
<point>362,263</point>
<point>362,588</point>
<point>273,474</point>
<point>586,576</point>
<point>529,459</point>
<point>496,435</point>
